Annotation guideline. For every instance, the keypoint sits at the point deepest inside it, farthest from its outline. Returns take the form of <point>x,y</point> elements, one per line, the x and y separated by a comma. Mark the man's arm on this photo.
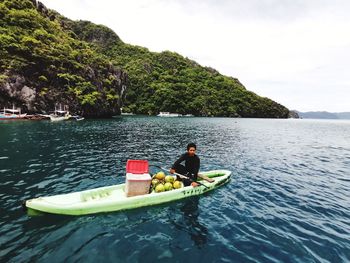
<point>177,162</point>
<point>198,164</point>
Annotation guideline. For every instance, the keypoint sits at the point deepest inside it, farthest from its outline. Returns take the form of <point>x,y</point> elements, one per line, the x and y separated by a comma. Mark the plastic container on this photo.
<point>137,184</point>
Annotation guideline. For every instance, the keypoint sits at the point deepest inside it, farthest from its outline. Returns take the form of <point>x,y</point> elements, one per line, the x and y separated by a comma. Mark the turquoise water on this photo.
<point>288,199</point>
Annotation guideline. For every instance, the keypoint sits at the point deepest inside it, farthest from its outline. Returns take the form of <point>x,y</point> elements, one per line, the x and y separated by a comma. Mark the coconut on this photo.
<point>159,188</point>
<point>168,186</point>
<point>177,184</point>
<point>160,175</point>
<point>169,179</point>
<point>155,181</point>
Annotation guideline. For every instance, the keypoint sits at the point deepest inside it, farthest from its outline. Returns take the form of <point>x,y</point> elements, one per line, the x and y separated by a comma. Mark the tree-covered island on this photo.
<point>46,58</point>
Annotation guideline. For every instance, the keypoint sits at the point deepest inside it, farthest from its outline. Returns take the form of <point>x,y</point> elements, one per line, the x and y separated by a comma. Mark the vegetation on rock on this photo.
<point>89,68</point>
<point>39,52</point>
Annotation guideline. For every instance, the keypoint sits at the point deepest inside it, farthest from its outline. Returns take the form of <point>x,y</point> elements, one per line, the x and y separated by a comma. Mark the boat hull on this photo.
<point>12,116</point>
<point>55,118</point>
<point>113,198</point>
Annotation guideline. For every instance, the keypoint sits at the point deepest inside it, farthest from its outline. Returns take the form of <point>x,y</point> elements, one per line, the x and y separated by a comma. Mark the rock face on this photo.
<point>13,90</point>
<point>19,91</point>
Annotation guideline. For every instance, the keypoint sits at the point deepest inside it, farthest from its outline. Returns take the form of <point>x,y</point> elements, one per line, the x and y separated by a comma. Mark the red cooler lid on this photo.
<point>137,166</point>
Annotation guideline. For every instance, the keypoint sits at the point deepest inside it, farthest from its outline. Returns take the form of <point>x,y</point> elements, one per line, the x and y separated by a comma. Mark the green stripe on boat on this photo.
<point>113,198</point>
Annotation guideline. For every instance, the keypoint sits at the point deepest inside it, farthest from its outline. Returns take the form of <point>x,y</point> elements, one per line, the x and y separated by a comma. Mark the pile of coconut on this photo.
<point>162,182</point>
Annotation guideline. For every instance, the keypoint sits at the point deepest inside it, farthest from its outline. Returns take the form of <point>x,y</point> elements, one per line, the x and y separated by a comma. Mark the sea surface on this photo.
<point>288,199</point>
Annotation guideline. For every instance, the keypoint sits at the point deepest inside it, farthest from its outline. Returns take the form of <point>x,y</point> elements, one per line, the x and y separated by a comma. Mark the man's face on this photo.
<point>191,151</point>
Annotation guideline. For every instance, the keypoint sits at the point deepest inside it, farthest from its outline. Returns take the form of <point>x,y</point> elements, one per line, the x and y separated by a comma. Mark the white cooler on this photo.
<point>137,184</point>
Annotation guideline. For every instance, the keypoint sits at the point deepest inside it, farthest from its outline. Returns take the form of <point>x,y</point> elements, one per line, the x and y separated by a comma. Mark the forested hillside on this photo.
<point>47,59</point>
<point>43,63</point>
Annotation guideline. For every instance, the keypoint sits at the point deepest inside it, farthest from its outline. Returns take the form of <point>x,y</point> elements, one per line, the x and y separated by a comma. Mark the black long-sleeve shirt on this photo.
<point>192,163</point>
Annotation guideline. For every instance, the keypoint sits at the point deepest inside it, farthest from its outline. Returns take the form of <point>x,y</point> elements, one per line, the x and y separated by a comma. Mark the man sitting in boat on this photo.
<point>191,167</point>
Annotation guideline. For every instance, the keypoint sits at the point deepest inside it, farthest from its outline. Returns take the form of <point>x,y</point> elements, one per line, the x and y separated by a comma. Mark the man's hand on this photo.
<point>172,170</point>
<point>194,184</point>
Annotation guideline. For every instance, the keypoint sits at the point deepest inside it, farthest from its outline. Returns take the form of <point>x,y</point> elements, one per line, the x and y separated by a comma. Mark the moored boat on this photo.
<point>168,114</point>
<point>77,118</point>
<point>10,114</point>
<point>113,198</point>
<point>126,113</point>
<point>60,115</point>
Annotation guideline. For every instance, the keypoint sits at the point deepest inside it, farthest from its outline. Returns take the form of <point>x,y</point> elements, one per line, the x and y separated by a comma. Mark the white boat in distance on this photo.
<point>60,115</point>
<point>78,118</point>
<point>125,113</point>
<point>168,114</point>
<point>10,114</point>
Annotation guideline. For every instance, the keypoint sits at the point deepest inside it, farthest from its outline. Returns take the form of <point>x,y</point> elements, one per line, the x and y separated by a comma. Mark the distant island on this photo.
<point>323,115</point>
<point>46,58</point>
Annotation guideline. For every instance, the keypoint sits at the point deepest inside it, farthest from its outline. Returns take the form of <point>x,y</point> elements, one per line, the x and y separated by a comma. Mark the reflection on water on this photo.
<point>190,223</point>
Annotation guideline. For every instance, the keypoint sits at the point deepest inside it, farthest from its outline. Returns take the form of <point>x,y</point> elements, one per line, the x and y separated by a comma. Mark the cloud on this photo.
<point>295,52</point>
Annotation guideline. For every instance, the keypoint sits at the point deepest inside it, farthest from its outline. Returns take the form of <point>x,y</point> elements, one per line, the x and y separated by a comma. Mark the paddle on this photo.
<point>185,177</point>
<point>181,176</point>
<point>206,178</point>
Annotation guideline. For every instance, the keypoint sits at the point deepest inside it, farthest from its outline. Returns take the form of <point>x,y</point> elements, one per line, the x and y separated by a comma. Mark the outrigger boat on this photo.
<point>168,114</point>
<point>114,198</point>
<point>60,115</point>
<point>10,114</point>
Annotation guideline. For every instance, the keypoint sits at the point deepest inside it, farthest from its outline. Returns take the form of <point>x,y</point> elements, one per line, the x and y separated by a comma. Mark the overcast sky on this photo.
<point>296,52</point>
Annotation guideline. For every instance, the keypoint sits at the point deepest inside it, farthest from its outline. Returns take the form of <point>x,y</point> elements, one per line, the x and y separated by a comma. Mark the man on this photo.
<point>191,167</point>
